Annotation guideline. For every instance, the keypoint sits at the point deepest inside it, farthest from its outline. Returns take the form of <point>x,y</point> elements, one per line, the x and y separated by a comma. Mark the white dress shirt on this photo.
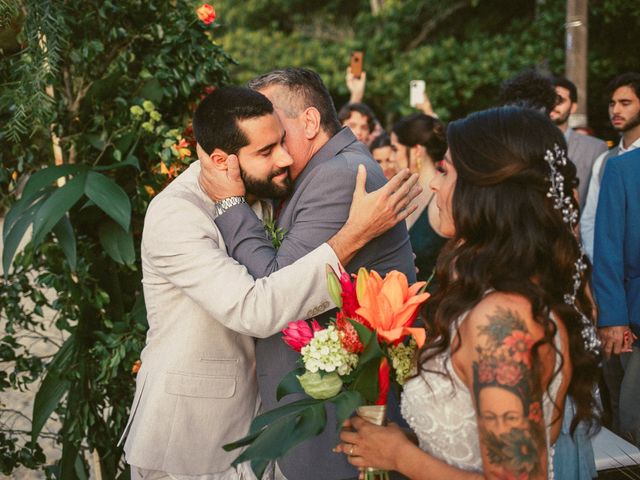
<point>588,218</point>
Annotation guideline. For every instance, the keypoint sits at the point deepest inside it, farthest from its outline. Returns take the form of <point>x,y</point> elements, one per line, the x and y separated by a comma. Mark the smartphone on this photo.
<point>416,92</point>
<point>356,63</point>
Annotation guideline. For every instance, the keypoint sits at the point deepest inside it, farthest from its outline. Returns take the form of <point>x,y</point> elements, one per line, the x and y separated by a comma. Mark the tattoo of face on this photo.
<point>507,396</point>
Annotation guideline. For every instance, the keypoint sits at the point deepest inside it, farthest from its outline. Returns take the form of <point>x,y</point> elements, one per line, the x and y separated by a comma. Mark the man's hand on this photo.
<point>613,339</point>
<point>219,183</point>
<point>356,86</point>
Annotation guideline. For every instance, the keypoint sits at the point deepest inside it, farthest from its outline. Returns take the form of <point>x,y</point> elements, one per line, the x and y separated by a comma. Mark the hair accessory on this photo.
<point>562,201</point>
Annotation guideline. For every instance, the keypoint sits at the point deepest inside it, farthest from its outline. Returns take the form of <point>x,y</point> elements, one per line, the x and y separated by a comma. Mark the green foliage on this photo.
<point>114,83</point>
<point>463,49</point>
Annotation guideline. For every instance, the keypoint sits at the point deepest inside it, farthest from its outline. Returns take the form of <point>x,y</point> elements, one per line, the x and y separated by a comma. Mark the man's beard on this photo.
<point>267,188</point>
<point>562,119</point>
<point>632,123</point>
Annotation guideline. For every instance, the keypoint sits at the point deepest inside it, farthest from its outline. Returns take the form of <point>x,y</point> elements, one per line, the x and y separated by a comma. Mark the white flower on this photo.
<point>325,352</point>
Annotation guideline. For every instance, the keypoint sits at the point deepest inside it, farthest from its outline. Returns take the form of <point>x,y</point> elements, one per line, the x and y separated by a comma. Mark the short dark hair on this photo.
<point>569,85</point>
<point>381,141</point>
<point>215,121</point>
<point>363,109</point>
<point>307,90</point>
<point>529,89</point>
<point>421,129</point>
<point>629,79</point>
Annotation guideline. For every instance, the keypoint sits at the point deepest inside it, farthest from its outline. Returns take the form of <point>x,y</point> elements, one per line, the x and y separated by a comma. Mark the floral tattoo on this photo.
<point>507,395</point>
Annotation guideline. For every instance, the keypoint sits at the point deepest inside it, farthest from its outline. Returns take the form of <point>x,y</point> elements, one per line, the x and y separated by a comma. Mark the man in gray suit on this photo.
<point>583,149</point>
<point>325,161</point>
<point>196,389</point>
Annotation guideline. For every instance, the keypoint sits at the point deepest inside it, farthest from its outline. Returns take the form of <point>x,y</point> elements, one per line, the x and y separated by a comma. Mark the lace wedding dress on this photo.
<point>440,411</point>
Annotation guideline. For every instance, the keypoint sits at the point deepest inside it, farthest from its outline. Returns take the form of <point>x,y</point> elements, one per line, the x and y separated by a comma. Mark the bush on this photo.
<point>96,120</point>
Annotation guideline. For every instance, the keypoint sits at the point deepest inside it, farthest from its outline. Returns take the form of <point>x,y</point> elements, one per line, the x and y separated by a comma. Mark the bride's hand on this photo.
<point>369,445</point>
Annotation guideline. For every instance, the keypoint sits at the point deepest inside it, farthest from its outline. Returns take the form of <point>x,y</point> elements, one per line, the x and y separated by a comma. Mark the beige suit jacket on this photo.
<point>196,389</point>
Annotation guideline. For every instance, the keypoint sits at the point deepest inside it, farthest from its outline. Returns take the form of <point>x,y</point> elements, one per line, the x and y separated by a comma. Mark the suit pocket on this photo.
<point>199,385</point>
<point>219,367</point>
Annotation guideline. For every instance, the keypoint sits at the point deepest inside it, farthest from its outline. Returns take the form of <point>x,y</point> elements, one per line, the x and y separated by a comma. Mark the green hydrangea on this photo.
<point>320,386</point>
<point>325,352</point>
<point>136,111</point>
<point>403,360</point>
<point>155,115</point>
<point>148,126</point>
<point>148,106</point>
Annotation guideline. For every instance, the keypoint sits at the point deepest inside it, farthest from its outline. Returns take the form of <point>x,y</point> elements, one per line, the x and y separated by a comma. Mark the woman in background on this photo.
<point>418,142</point>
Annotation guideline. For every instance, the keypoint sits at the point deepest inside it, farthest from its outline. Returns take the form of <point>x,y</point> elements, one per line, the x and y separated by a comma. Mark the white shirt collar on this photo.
<point>633,146</point>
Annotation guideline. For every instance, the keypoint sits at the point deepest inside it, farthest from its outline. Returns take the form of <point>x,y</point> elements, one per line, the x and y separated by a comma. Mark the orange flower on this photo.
<point>390,305</point>
<point>206,13</point>
<point>181,149</point>
<point>136,367</point>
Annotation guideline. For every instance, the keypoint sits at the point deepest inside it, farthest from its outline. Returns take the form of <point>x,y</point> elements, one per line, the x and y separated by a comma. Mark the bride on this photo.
<point>510,332</point>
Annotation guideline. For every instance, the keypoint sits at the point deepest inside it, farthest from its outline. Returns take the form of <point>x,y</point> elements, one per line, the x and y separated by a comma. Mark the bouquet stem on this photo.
<point>375,414</point>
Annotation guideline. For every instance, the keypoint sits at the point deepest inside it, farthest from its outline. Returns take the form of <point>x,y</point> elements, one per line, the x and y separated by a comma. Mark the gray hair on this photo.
<point>305,89</point>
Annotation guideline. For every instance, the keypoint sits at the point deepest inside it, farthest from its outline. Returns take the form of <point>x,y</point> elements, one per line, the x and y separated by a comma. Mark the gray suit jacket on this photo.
<point>583,151</point>
<point>316,210</point>
<point>196,389</point>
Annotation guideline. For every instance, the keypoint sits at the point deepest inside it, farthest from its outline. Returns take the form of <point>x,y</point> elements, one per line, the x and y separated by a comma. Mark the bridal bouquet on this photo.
<point>351,363</point>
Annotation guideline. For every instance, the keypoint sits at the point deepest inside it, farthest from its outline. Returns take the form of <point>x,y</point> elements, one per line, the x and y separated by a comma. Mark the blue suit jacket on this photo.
<point>315,211</point>
<point>616,262</point>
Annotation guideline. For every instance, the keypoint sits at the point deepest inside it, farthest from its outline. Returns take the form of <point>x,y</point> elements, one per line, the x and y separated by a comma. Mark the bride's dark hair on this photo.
<point>509,238</point>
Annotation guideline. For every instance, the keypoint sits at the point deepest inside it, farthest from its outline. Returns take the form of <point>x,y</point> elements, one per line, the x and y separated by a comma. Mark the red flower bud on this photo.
<point>206,13</point>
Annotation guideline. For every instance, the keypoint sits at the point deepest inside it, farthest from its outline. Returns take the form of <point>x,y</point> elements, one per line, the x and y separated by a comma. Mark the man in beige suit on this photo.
<point>196,388</point>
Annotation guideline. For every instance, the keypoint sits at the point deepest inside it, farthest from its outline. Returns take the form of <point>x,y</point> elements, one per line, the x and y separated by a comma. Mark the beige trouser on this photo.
<point>243,472</point>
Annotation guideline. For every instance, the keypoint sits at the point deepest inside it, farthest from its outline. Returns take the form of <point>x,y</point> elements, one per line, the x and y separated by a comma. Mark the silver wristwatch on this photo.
<point>224,205</point>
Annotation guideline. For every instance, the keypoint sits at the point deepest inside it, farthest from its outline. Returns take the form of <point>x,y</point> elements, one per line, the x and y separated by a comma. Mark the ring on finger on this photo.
<point>351,449</point>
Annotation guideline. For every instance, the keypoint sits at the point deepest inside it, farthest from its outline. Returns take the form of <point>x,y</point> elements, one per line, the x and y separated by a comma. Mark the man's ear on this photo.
<point>574,107</point>
<point>311,118</point>
<point>217,158</point>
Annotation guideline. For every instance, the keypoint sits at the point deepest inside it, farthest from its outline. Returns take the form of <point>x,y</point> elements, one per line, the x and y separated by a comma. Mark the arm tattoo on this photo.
<point>507,396</point>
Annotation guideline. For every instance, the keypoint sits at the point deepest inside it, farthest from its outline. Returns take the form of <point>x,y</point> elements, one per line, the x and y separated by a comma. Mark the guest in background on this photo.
<point>381,152</point>
<point>529,89</point>
<point>357,86</point>
<point>624,112</point>
<point>583,149</point>
<point>616,284</point>
<point>359,118</point>
<point>418,142</point>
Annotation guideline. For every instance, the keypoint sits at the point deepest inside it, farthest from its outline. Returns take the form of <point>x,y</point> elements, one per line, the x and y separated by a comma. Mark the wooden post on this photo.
<point>577,32</point>
<point>55,140</point>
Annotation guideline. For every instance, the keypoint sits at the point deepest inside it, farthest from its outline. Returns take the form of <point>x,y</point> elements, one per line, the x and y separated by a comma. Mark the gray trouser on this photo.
<point>622,376</point>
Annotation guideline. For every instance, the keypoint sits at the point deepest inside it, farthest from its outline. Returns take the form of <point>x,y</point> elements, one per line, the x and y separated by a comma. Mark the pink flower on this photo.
<point>508,373</point>
<point>520,344</point>
<point>299,333</point>
<point>535,412</point>
<point>349,298</point>
<point>486,371</point>
<point>206,13</point>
